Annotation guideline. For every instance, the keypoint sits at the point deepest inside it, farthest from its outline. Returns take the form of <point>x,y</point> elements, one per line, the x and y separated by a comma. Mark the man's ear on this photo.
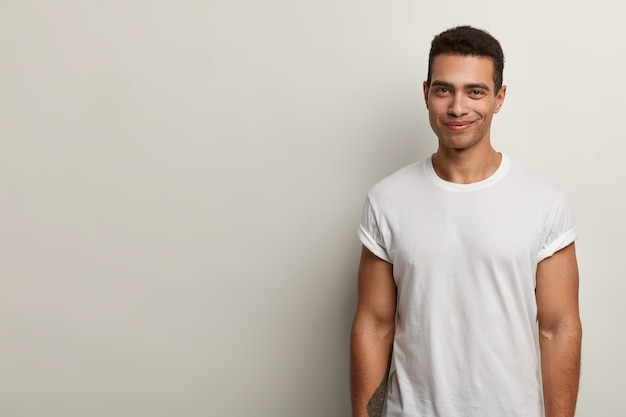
<point>426,88</point>
<point>500,98</point>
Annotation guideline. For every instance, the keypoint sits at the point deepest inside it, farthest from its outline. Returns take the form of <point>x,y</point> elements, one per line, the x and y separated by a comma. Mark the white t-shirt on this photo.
<point>464,262</point>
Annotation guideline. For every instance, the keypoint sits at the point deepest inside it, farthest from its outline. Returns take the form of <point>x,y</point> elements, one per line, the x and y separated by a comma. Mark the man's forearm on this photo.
<point>370,356</point>
<point>560,367</point>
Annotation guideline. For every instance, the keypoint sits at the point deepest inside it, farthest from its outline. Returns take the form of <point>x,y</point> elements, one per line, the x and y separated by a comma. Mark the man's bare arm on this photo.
<point>560,331</point>
<point>372,335</point>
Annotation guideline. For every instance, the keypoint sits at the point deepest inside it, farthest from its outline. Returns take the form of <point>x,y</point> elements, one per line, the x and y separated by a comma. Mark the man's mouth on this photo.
<point>457,126</point>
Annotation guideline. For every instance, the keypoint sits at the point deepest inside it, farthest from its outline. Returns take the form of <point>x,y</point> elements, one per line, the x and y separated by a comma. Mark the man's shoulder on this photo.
<point>532,180</point>
<point>400,181</point>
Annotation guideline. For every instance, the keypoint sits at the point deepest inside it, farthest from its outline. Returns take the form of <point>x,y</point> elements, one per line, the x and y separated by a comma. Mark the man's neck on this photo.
<point>467,165</point>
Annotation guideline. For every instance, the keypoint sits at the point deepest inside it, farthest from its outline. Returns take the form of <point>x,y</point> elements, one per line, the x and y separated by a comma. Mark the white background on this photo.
<point>181,185</point>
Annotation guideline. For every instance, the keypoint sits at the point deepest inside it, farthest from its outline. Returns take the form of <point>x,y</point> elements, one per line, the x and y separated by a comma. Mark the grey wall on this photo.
<point>181,183</point>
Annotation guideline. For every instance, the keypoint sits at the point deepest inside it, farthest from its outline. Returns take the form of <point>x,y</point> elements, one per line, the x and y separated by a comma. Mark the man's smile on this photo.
<point>458,126</point>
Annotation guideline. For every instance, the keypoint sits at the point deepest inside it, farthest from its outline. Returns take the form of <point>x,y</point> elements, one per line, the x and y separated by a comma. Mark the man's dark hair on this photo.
<point>468,41</point>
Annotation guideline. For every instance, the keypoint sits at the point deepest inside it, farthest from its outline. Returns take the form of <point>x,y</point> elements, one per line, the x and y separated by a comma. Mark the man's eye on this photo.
<point>477,92</point>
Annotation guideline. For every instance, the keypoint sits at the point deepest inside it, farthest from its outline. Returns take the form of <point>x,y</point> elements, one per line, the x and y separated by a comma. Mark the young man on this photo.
<point>468,264</point>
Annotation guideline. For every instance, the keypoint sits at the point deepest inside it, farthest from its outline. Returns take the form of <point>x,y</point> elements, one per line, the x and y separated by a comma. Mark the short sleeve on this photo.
<point>369,232</point>
<point>560,229</point>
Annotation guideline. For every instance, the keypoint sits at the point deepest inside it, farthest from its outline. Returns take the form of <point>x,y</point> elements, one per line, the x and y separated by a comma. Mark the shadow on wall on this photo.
<point>400,137</point>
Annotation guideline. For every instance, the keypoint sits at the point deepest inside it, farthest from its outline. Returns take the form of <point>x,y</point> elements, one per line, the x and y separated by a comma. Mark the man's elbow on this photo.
<point>569,328</point>
<point>381,329</point>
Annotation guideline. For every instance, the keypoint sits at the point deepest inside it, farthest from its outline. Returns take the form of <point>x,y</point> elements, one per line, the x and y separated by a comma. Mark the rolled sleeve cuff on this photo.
<point>559,243</point>
<point>369,242</point>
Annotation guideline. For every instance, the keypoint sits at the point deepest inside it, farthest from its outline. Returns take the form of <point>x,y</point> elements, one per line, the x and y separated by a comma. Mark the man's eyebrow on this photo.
<point>471,86</point>
<point>441,84</point>
<point>477,85</point>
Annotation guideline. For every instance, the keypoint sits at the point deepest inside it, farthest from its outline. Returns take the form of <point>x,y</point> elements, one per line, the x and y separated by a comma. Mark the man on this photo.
<point>468,264</point>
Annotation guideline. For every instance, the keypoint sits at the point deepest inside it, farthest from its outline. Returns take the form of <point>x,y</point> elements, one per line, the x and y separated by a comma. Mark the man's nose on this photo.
<point>458,105</point>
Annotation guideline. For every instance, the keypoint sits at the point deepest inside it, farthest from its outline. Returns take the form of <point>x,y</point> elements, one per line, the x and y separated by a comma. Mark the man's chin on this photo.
<point>458,144</point>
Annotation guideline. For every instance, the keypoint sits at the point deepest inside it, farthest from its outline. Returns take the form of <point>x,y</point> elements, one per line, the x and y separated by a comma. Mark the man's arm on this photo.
<point>372,335</point>
<point>560,331</point>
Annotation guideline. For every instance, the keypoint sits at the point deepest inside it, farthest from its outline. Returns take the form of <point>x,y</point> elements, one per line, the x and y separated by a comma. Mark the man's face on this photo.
<point>461,100</point>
